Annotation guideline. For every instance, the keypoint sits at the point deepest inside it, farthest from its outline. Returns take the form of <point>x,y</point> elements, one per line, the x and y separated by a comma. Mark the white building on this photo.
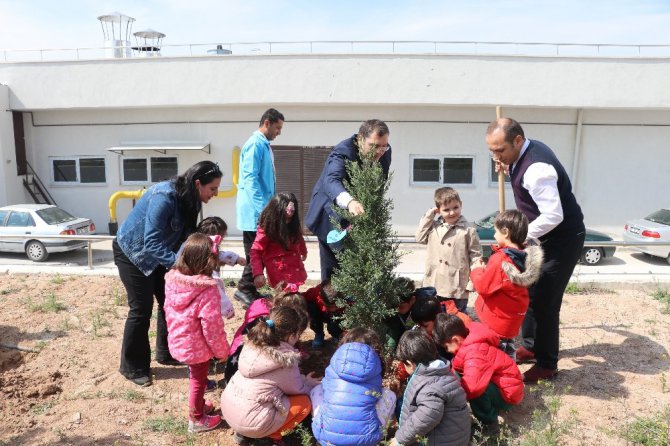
<point>606,117</point>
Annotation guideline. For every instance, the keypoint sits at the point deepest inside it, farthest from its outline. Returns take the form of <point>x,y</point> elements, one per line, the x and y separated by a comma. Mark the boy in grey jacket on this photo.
<point>434,406</point>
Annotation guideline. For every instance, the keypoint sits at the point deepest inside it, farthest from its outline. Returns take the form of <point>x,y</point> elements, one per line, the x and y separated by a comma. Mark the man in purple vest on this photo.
<point>543,192</point>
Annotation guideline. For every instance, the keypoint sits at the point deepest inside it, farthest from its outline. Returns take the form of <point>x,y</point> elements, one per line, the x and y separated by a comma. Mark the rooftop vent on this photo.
<point>219,50</point>
<point>116,28</point>
<point>148,43</point>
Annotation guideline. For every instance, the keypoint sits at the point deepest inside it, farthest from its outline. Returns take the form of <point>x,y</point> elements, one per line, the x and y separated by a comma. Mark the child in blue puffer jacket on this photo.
<point>350,407</point>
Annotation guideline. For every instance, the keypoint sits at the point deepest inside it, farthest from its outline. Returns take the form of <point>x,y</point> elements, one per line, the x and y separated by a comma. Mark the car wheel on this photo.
<point>592,256</point>
<point>36,251</point>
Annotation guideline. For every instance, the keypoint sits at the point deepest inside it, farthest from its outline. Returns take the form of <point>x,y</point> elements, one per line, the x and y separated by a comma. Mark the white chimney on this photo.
<point>148,43</point>
<point>116,28</point>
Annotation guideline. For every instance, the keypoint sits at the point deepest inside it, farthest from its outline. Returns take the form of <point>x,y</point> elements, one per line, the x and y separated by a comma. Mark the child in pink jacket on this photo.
<point>195,327</point>
<point>268,396</point>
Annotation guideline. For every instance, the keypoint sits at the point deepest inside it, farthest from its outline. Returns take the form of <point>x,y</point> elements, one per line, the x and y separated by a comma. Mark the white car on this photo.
<point>33,220</point>
<point>652,228</point>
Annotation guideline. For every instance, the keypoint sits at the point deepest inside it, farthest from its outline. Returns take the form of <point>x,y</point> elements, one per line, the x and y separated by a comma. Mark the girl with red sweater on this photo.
<point>279,248</point>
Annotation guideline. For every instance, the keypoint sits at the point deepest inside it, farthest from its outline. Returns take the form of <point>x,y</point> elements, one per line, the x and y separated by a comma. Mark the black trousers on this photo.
<point>327,259</point>
<point>141,290</point>
<point>540,328</point>
<point>246,283</point>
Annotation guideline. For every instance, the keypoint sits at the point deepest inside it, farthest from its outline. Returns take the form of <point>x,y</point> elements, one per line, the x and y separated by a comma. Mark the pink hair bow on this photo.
<point>291,287</point>
<point>216,239</point>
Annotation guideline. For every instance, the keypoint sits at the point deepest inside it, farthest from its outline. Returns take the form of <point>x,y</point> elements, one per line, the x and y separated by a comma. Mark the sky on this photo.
<point>43,24</point>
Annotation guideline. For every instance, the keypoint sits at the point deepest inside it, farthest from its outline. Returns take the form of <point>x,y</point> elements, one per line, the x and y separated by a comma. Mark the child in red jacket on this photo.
<point>279,247</point>
<point>490,378</point>
<point>323,310</point>
<point>503,284</point>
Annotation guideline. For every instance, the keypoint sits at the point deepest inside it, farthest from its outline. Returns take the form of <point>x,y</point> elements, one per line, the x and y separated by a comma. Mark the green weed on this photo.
<point>7,291</point>
<point>98,322</point>
<point>57,279</point>
<point>132,395</point>
<point>230,282</point>
<point>49,304</point>
<point>649,431</point>
<point>546,428</point>
<point>663,296</point>
<point>167,425</point>
<point>39,409</point>
<point>573,288</point>
<point>118,298</point>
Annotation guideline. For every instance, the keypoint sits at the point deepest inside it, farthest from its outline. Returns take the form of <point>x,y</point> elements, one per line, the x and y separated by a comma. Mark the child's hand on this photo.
<point>241,261</point>
<point>393,442</point>
<point>259,281</point>
<point>311,380</point>
<point>479,263</point>
<point>434,211</point>
<point>332,308</point>
<point>303,257</point>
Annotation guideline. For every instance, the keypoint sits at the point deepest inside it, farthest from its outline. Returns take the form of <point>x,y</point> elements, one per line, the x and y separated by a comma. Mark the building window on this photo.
<point>147,169</point>
<point>493,175</point>
<point>78,170</point>
<point>442,169</point>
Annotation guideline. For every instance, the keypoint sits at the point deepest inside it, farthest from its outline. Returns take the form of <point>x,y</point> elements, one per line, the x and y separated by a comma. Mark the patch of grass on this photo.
<point>230,282</point>
<point>663,296</point>
<point>57,279</point>
<point>573,288</point>
<point>7,291</point>
<point>118,298</point>
<point>39,409</point>
<point>49,304</point>
<point>132,395</point>
<point>546,428</point>
<point>649,431</point>
<point>167,425</point>
<point>99,321</point>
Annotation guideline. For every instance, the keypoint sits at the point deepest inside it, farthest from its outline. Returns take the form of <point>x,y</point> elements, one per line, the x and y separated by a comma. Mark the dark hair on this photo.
<point>516,224</point>
<point>273,221</point>
<point>278,326</point>
<point>212,226</point>
<point>510,128</point>
<point>415,346</point>
<point>447,326</point>
<point>405,288</point>
<point>196,257</point>
<point>444,195</point>
<point>329,293</point>
<point>371,126</point>
<point>187,192</point>
<point>426,309</point>
<point>271,115</point>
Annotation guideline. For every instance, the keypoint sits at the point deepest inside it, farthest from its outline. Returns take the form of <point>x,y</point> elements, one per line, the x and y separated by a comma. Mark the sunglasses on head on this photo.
<point>214,169</point>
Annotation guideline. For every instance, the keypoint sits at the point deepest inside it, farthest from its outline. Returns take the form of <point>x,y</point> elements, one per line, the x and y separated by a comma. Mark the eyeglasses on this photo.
<point>379,149</point>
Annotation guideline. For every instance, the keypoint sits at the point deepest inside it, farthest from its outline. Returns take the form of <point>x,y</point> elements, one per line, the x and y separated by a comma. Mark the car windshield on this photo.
<point>661,216</point>
<point>54,216</point>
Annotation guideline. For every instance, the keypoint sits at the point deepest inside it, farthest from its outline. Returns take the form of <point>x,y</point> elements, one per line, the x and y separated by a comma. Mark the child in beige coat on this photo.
<point>453,248</point>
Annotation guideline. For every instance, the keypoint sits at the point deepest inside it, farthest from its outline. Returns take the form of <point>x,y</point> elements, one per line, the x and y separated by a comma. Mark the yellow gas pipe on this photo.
<point>136,194</point>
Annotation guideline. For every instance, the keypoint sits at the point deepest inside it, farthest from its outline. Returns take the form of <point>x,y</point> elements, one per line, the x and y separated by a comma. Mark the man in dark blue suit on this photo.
<point>329,191</point>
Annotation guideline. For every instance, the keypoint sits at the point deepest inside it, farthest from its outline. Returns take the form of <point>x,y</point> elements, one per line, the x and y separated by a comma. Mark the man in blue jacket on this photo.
<point>255,187</point>
<point>329,190</point>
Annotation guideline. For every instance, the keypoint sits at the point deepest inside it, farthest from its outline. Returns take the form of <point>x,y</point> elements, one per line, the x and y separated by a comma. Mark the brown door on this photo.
<point>297,170</point>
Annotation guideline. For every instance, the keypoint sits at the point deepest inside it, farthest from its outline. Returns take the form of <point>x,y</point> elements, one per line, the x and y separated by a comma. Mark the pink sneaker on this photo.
<point>204,424</point>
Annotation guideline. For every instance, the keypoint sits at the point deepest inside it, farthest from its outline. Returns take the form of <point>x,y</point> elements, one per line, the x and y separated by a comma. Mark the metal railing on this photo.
<point>90,239</point>
<point>455,47</point>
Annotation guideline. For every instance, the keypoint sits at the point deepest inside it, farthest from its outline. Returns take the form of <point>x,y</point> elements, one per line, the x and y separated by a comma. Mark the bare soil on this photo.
<point>66,389</point>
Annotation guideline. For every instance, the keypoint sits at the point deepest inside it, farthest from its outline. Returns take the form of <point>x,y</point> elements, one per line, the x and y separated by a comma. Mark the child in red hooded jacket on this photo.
<point>503,284</point>
<point>490,378</point>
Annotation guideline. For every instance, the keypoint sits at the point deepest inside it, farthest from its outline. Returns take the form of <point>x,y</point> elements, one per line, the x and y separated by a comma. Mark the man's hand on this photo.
<point>241,261</point>
<point>355,208</point>
<point>259,281</point>
<point>499,165</point>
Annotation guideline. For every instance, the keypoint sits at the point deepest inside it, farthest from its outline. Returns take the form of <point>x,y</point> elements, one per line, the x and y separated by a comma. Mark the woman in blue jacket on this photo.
<point>350,407</point>
<point>144,250</point>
